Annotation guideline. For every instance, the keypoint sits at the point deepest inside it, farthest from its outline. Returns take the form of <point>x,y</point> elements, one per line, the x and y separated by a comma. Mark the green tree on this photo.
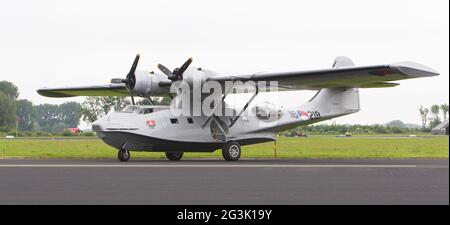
<point>59,127</point>
<point>9,89</point>
<point>435,120</point>
<point>47,115</point>
<point>396,123</point>
<point>26,114</point>
<point>435,111</point>
<point>444,109</point>
<point>8,94</point>
<point>67,114</point>
<point>7,112</point>
<point>70,113</point>
<point>94,107</point>
<point>424,115</point>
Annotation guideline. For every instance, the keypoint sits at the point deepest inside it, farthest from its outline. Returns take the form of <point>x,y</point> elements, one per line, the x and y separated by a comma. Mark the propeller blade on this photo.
<point>135,63</point>
<point>165,70</point>
<point>184,67</point>
<point>130,80</point>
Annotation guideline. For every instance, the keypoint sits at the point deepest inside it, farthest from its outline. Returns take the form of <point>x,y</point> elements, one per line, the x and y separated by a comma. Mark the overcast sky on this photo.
<point>62,43</point>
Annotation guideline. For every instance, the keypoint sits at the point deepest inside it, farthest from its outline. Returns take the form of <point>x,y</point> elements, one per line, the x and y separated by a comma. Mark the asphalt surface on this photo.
<point>218,182</point>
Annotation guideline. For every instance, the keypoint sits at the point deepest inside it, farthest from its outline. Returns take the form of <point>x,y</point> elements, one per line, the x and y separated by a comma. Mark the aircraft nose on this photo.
<point>97,127</point>
<point>98,130</point>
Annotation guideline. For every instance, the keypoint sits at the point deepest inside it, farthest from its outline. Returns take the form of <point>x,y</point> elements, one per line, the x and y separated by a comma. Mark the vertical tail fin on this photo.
<point>336,101</point>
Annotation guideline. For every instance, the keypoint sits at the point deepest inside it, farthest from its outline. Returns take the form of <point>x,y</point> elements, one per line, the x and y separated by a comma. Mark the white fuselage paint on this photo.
<point>248,129</point>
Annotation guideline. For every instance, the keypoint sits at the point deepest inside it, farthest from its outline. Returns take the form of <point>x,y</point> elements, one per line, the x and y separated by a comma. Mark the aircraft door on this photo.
<point>219,129</point>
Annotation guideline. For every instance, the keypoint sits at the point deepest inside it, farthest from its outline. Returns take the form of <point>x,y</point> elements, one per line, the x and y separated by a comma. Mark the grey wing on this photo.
<point>95,90</point>
<point>361,77</point>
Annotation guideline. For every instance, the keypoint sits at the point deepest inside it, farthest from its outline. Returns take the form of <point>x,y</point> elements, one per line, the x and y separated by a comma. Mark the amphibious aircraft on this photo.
<point>176,129</point>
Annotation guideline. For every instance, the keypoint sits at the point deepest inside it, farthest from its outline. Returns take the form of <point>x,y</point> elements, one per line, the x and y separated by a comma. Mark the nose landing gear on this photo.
<point>123,155</point>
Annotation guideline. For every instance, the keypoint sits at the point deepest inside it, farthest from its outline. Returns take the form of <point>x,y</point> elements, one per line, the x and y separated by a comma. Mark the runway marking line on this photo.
<point>208,166</point>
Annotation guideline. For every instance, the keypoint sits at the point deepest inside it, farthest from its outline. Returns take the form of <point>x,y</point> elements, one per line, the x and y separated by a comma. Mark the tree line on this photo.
<point>23,115</point>
<point>393,127</point>
<point>431,117</point>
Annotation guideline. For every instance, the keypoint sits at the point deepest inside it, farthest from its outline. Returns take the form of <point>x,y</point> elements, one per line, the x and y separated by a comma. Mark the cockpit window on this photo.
<point>137,110</point>
<point>128,109</point>
<point>131,109</point>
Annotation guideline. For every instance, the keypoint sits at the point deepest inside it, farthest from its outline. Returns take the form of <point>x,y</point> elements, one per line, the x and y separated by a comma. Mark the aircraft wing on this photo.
<point>97,90</point>
<point>346,77</point>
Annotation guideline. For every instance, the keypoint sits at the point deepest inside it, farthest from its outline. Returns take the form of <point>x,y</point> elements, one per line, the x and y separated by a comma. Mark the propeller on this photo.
<point>177,73</point>
<point>130,80</point>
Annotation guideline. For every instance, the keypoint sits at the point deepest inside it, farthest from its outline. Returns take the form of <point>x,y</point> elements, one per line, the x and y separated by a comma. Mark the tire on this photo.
<point>123,155</point>
<point>174,156</point>
<point>231,151</point>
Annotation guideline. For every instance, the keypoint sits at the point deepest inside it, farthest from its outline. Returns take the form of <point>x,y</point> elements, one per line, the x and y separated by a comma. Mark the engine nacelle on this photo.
<point>144,83</point>
<point>192,74</point>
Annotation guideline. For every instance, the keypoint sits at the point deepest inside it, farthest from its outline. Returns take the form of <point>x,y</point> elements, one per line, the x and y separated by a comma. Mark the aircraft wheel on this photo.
<point>174,156</point>
<point>231,151</point>
<point>123,155</point>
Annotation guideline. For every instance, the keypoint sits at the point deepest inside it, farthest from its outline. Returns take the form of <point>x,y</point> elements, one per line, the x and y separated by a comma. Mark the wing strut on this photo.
<point>233,120</point>
<point>151,101</point>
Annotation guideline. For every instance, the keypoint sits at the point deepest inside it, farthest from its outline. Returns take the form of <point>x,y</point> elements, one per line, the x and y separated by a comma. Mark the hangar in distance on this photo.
<point>200,117</point>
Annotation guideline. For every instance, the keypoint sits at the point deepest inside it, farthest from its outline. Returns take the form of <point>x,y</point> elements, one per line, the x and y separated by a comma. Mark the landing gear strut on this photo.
<point>123,155</point>
<point>174,156</point>
<point>231,151</point>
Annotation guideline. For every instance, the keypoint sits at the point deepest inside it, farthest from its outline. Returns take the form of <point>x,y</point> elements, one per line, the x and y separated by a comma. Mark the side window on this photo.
<point>148,110</point>
<point>174,120</point>
<point>189,120</point>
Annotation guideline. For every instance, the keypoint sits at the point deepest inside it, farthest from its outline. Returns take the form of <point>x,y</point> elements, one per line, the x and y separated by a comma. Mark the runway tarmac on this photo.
<point>248,181</point>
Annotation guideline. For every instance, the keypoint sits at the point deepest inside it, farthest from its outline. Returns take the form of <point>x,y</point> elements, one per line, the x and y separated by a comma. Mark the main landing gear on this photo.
<point>123,155</point>
<point>174,156</point>
<point>231,151</point>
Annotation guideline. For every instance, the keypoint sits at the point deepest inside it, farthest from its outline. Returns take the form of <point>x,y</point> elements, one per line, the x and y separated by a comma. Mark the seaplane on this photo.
<point>202,118</point>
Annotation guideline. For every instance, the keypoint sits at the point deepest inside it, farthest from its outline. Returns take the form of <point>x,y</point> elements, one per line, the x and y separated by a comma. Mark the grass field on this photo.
<point>311,147</point>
